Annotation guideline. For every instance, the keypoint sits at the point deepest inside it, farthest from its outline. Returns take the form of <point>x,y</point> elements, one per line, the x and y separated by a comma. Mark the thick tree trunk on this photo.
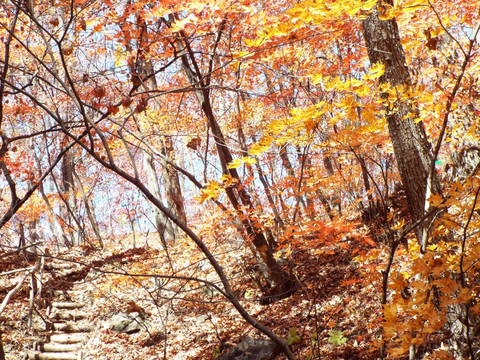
<point>89,208</point>
<point>57,230</point>
<point>21,240</point>
<point>143,77</point>
<point>172,184</point>
<point>162,223</point>
<point>412,150</point>
<point>68,190</point>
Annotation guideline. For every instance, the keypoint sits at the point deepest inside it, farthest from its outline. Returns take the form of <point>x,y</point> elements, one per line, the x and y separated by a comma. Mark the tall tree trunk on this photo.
<point>68,189</point>
<point>411,147</point>
<point>163,224</point>
<point>143,77</point>
<point>21,240</point>
<point>172,184</point>
<point>57,230</point>
<point>237,195</point>
<point>412,150</point>
<point>89,208</point>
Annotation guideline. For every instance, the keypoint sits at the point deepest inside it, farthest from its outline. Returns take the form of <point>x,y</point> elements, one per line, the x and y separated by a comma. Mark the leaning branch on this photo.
<point>12,292</point>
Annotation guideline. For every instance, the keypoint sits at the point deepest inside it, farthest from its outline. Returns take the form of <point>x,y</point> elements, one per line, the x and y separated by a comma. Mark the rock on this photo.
<point>126,323</point>
<point>251,349</point>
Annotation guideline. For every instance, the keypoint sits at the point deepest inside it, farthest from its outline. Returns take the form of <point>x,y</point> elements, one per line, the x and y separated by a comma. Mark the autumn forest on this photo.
<point>236,179</point>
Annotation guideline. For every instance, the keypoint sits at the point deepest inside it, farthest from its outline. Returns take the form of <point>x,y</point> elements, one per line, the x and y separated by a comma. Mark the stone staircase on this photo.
<point>64,330</point>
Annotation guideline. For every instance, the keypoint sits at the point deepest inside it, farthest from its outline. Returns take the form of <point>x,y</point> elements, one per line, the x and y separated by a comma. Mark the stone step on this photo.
<point>69,338</point>
<point>71,293</point>
<point>67,305</point>
<point>56,348</point>
<point>63,295</point>
<point>60,265</point>
<point>72,328</point>
<point>71,315</point>
<point>37,355</point>
<point>65,273</point>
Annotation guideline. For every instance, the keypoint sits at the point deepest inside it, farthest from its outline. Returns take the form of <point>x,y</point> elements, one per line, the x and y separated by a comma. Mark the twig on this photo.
<point>17,270</point>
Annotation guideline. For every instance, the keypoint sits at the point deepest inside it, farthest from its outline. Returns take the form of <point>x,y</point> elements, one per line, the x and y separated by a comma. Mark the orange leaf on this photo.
<point>99,92</point>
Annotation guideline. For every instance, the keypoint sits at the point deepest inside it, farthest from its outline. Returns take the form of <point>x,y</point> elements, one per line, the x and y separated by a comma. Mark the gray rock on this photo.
<point>251,349</point>
<point>126,323</point>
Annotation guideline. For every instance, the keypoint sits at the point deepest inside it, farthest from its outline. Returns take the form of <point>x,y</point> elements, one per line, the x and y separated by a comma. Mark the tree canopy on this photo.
<point>260,131</point>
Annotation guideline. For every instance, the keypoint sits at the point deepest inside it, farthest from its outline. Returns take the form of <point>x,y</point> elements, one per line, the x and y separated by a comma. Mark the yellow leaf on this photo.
<point>239,162</point>
<point>261,146</point>
<point>253,43</point>
<point>376,71</point>
<point>398,225</point>
<point>227,180</point>
<point>211,191</point>
<point>235,164</point>
<point>248,160</point>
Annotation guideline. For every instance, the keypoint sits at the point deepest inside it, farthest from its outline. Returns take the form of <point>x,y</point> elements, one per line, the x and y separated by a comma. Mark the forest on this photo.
<point>239,179</point>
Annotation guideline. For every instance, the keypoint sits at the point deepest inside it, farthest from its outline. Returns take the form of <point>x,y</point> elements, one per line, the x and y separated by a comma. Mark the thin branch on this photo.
<point>12,292</point>
<point>6,62</point>
<point>448,109</point>
<point>462,274</point>
<point>17,270</point>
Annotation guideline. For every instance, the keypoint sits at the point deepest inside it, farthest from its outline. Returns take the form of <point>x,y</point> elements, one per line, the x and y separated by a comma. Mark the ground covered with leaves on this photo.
<point>336,314</point>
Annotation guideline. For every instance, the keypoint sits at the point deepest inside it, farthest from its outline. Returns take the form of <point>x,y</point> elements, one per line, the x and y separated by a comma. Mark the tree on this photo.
<point>412,149</point>
<point>403,102</point>
<point>236,191</point>
<point>415,157</point>
<point>90,132</point>
<point>291,114</point>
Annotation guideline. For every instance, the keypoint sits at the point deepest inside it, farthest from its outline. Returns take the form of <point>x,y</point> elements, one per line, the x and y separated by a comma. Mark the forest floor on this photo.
<point>335,315</point>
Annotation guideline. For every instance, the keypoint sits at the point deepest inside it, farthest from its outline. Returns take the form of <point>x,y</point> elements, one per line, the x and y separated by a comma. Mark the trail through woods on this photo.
<point>179,175</point>
<point>333,304</point>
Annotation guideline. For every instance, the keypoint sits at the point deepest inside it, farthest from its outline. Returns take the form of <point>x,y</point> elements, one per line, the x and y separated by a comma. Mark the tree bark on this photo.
<point>143,77</point>
<point>162,223</point>
<point>172,184</point>
<point>68,189</point>
<point>90,209</point>
<point>56,227</point>
<point>411,147</point>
